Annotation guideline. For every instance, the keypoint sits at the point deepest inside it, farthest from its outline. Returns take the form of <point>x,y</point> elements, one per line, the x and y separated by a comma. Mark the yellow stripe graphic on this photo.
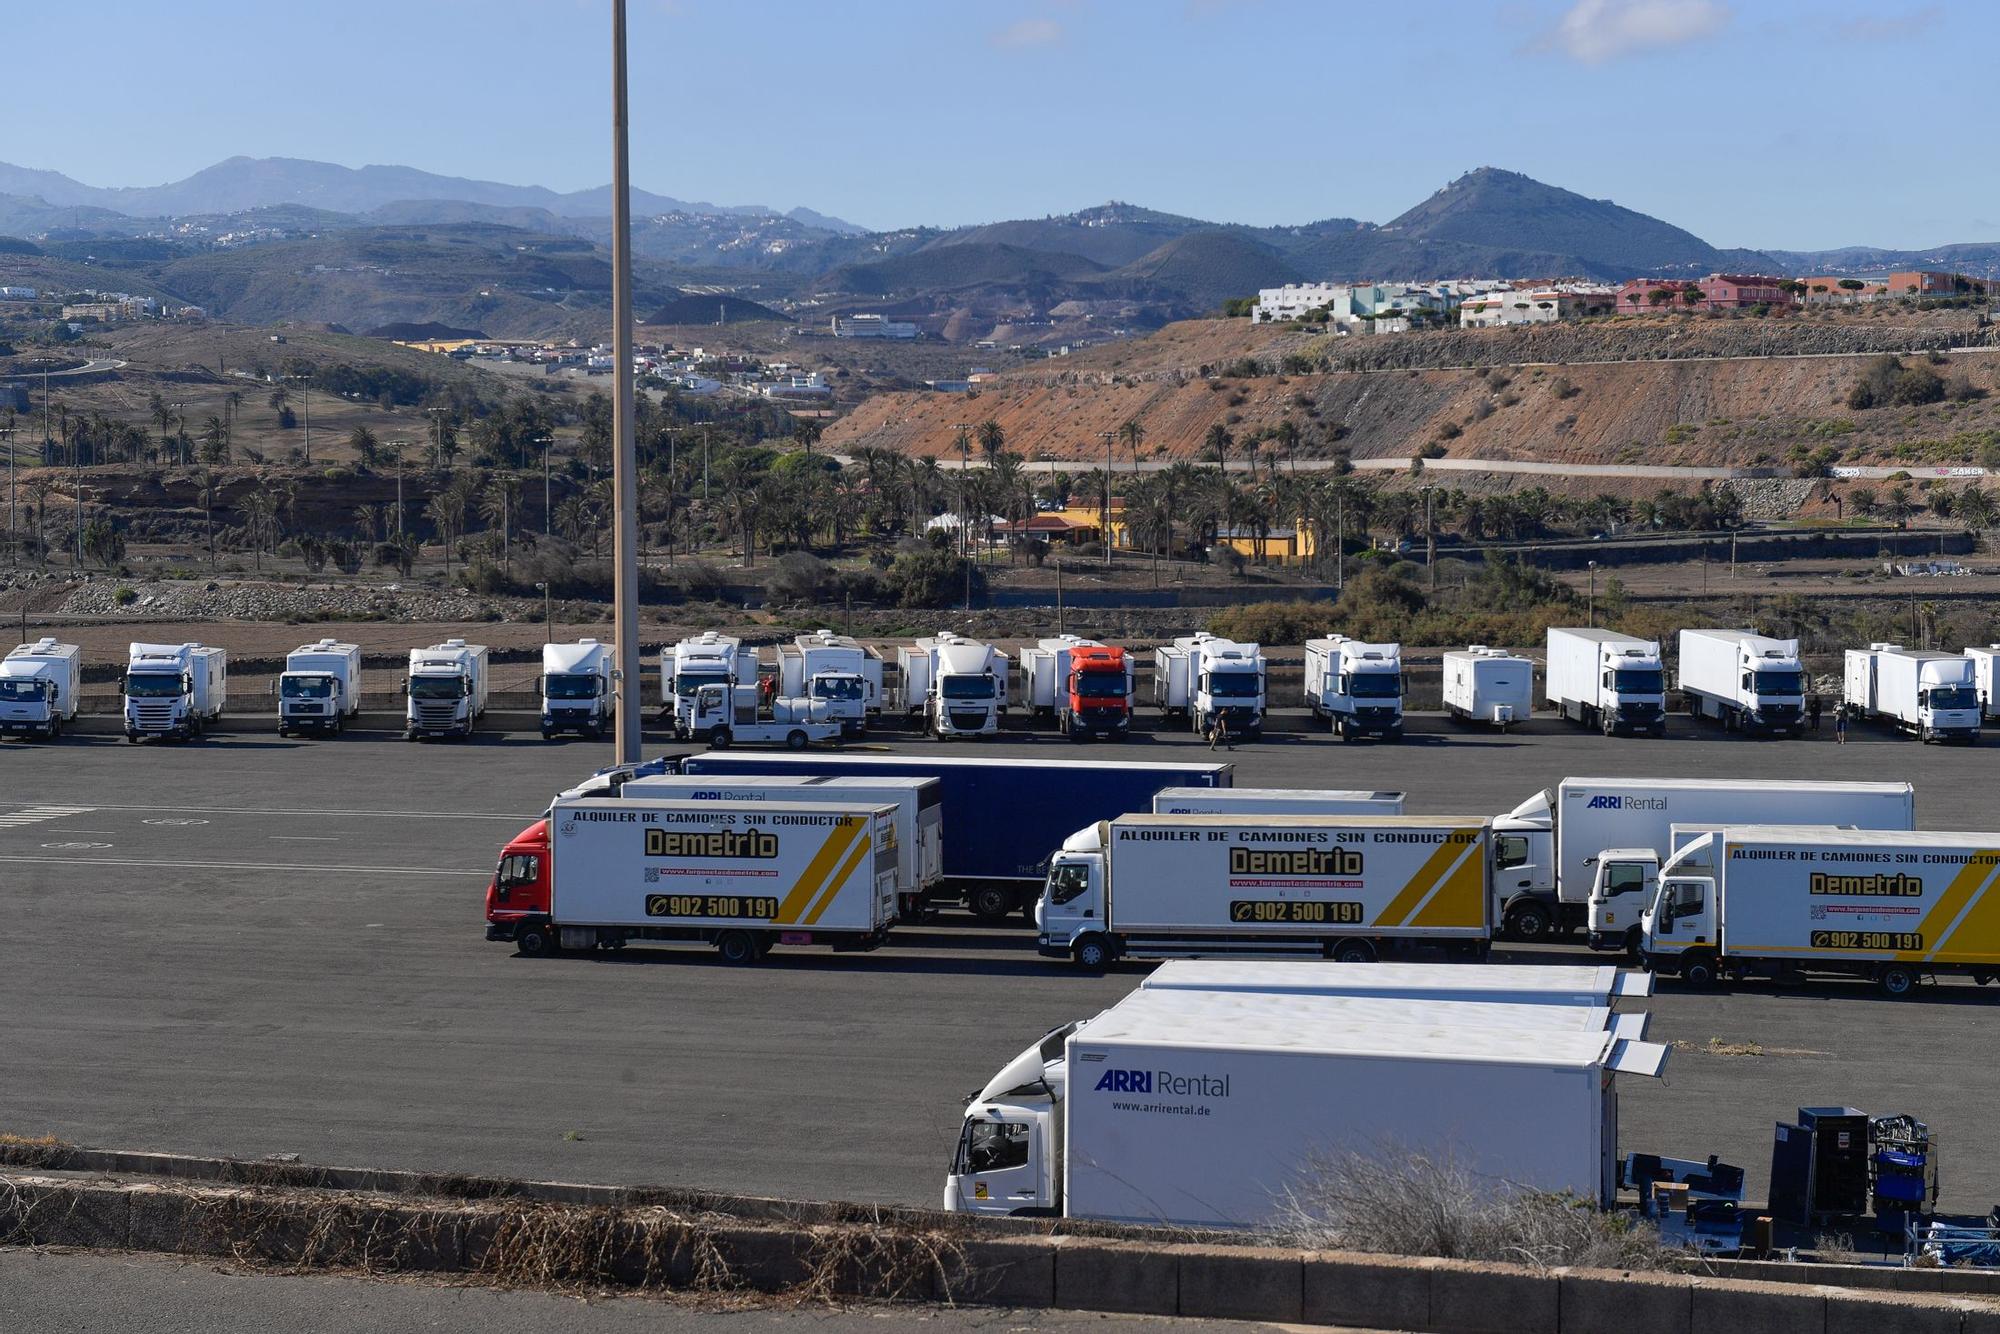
<point>1426,879</point>
<point>1949,905</point>
<point>861,850</point>
<point>1461,900</point>
<point>808,884</point>
<point>1971,928</point>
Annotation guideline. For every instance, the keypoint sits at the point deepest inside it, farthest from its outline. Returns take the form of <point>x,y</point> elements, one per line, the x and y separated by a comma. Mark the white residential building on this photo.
<point>1367,307</point>
<point>18,294</point>
<point>872,326</point>
<point>1536,305</point>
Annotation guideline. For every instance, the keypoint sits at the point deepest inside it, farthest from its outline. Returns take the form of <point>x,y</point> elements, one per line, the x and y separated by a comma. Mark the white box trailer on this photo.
<point>1606,680</point>
<point>1983,657</point>
<point>1789,900</point>
<point>1205,1109</point>
<point>1205,677</point>
<point>1346,887</point>
<point>174,690</point>
<point>1930,694</point>
<point>40,686</point>
<point>320,688</point>
<point>1586,985</point>
<point>1274,801</point>
<point>1356,688</point>
<point>840,674</point>
<point>1488,685</point>
<point>1745,681</point>
<point>919,804</point>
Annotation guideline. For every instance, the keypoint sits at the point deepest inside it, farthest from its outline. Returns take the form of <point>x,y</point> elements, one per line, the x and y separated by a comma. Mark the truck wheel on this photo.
<point>795,740</point>
<point>992,903</point>
<point>1092,951</point>
<point>538,940</point>
<point>1353,951</point>
<point>1529,922</point>
<point>1897,981</point>
<point>718,738</point>
<point>736,947</point>
<point>1698,969</point>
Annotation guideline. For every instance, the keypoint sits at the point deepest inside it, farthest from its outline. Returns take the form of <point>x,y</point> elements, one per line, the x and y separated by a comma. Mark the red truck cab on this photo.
<point>1097,698</point>
<point>518,896</point>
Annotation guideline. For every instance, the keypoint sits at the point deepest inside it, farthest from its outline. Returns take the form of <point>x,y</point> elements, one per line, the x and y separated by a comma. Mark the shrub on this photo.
<point>125,597</point>
<point>801,577</point>
<point>1271,622</point>
<point>1432,450</point>
<point>927,576</point>
<point>1562,388</point>
<point>1888,381</point>
<point>1449,431</point>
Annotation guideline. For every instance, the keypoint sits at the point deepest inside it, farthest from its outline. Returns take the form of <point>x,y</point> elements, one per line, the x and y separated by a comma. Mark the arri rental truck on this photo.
<point>741,876</point>
<point>1204,677</point>
<point>320,688</point>
<point>39,687</point>
<point>958,685</point>
<point>1488,685</point>
<point>1350,888</point>
<point>1084,685</point>
<point>1356,688</point>
<point>447,688</point>
<point>576,689</point>
<point>1198,1108</point>
<point>1589,851</point>
<point>841,676</point>
<point>1933,696</point>
<point>1786,901</point>
<point>1744,681</point>
<point>1606,680</point>
<point>174,690</point>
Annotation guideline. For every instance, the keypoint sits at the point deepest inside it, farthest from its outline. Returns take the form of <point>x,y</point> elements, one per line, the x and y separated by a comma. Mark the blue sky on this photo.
<point>1750,122</point>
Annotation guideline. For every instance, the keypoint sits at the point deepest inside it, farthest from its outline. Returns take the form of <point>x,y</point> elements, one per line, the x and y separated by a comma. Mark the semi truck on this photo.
<point>1983,657</point>
<point>706,659</point>
<point>744,877</point>
<point>958,686</point>
<point>1005,815</point>
<point>447,689</point>
<point>40,687</point>
<point>1205,677</point>
<point>1352,888</point>
<point>1934,696</point>
<point>1207,1109</point>
<point>1356,688</point>
<point>1744,681</point>
<point>1488,685</point>
<point>174,690</point>
<point>576,689</point>
<point>1789,901</point>
<point>918,802</point>
<point>1594,986</point>
<point>1606,680</point>
<point>1085,686</point>
<point>1588,852</point>
<point>1273,801</point>
<point>320,688</point>
<point>840,675</point>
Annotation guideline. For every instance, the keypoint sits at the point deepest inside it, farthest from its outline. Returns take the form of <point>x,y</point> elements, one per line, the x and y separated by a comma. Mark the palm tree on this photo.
<point>231,403</point>
<point>991,440</point>
<point>497,503</point>
<point>259,511</point>
<point>365,446</point>
<point>1219,440</point>
<point>38,501</point>
<point>368,518</point>
<point>1132,435</point>
<point>204,481</point>
<point>214,441</point>
<point>446,511</point>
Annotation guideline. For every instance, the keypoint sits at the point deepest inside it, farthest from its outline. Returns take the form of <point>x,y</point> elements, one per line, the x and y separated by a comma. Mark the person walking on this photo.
<point>1218,735</point>
<point>1840,726</point>
<point>1812,710</point>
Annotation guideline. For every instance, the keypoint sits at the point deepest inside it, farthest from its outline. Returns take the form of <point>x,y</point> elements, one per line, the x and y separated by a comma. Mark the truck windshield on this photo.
<point>1640,681</point>
<point>1954,697</point>
<point>20,690</point>
<point>1100,685</point>
<point>966,687</point>
<point>153,685</point>
<point>1781,683</point>
<point>1066,881</point>
<point>1375,685</point>
<point>437,687</point>
<point>570,687</point>
<point>688,682</point>
<point>992,1146</point>
<point>306,687</point>
<point>837,687</point>
<point>1233,685</point>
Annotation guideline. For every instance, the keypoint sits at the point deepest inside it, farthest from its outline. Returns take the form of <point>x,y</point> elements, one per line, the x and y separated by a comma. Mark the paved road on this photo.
<point>252,946</point>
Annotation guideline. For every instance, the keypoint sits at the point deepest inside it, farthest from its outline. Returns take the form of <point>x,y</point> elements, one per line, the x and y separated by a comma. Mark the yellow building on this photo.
<point>1281,546</point>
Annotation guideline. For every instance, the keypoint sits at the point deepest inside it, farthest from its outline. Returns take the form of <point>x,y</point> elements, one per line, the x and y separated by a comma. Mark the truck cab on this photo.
<point>446,690</point>
<point>1356,687</point>
<point>172,690</point>
<point>1009,1154</point>
<point>1624,882</point>
<point>839,674</point>
<point>959,684</point>
<point>38,689</point>
<point>1226,683</point>
<point>1632,692</point>
<point>1070,915</point>
<point>704,660</point>
<point>576,689</point>
<point>1680,931</point>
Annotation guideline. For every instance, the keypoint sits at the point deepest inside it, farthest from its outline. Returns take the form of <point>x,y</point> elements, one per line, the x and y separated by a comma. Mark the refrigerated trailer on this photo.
<point>1745,681</point>
<point>1606,680</point>
<point>1273,801</point>
<point>1356,688</point>
<point>1934,696</point>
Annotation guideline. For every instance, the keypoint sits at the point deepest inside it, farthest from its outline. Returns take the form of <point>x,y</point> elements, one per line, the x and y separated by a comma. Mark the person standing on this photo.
<point>1840,726</point>
<point>1812,710</point>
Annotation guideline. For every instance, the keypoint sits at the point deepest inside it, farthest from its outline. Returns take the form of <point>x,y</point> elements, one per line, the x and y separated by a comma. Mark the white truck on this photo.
<point>1784,901</point>
<point>447,689</point>
<point>1932,695</point>
<point>600,873</point>
<point>1591,986</point>
<point>957,685</point>
<point>1606,680</point>
<point>1983,658</point>
<point>918,802</point>
<point>1356,688</point>
<point>1588,852</point>
<point>40,687</point>
<point>320,688</point>
<point>840,674</point>
<point>174,690</point>
<point>1274,801</point>
<point>576,689</point>
<point>707,659</point>
<point>1488,685</point>
<point>1744,681</point>
<point>1343,887</point>
<point>1204,677</point>
<point>724,715</point>
<point>1206,1109</point>
<point>1085,685</point>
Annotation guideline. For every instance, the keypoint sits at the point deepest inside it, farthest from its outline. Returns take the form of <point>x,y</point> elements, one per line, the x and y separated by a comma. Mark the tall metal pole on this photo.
<point>1109,436</point>
<point>624,479</point>
<point>13,551</point>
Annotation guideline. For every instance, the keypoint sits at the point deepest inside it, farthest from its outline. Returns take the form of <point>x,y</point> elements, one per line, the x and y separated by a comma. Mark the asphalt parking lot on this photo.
<point>250,946</point>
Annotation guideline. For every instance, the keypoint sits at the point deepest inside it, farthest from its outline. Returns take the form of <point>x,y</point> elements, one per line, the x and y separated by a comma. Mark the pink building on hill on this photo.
<point>1718,291</point>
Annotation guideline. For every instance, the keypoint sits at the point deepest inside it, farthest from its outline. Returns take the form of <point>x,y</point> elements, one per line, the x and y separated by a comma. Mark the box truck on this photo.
<point>1983,658</point>
<point>320,688</point>
<point>576,689</point>
<point>707,659</point>
<point>446,688</point>
<point>1005,815</point>
<point>1606,680</point>
<point>840,675</point>
<point>1273,801</point>
<point>1356,688</point>
<point>918,802</point>
<point>1351,888</point>
<point>1488,685</point>
<point>1204,677</point>
<point>958,686</point>
<point>1744,681</point>
<point>1206,1109</point>
<point>1786,901</point>
<point>1932,695</point>
<point>174,690</point>
<point>1597,986</point>
<point>40,685</point>
<point>741,876</point>
<point>1082,684</point>
<point>1588,852</point>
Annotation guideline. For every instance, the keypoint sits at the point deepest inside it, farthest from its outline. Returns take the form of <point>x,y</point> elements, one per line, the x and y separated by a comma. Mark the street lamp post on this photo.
<point>964,462</point>
<point>547,514</point>
<point>1108,437</point>
<point>548,614</point>
<point>1592,603</point>
<point>13,550</point>
<point>1430,540</point>
<point>399,446</point>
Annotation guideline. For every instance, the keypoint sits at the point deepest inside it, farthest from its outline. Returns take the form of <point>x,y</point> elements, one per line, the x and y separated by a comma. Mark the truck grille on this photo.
<point>153,715</point>
<point>966,722</point>
<point>1376,714</point>
<point>302,710</point>
<point>437,715</point>
<point>1639,712</point>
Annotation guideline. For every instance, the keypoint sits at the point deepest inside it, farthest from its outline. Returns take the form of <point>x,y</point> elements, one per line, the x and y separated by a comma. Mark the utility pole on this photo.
<point>1059,601</point>
<point>964,462</point>
<point>547,512</point>
<point>1340,542</point>
<point>400,446</point>
<point>624,479</point>
<point>1430,541</point>
<point>13,548</point>
<point>437,416</point>
<point>305,402</point>
<point>1592,604</point>
<point>1108,436</point>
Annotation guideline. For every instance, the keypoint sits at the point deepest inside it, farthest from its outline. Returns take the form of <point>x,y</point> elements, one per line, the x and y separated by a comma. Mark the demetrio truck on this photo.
<point>741,876</point>
<point>1606,680</point>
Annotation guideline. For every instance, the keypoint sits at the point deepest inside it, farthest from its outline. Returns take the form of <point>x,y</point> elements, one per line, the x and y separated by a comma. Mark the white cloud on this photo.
<point>1027,33</point>
<point>1595,31</point>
